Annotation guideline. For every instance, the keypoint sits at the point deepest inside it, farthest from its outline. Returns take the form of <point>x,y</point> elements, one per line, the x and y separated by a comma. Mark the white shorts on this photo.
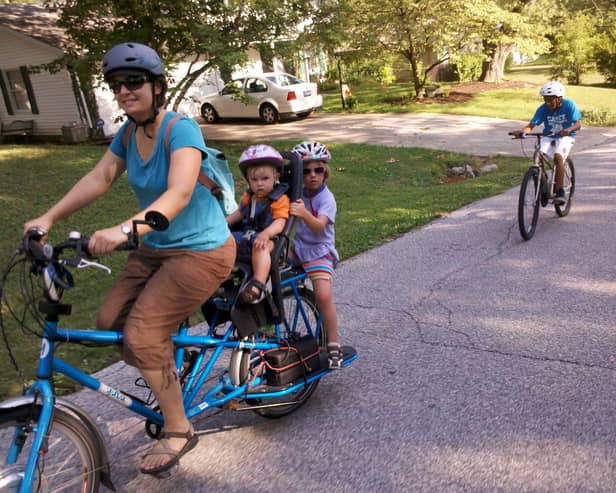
<point>561,146</point>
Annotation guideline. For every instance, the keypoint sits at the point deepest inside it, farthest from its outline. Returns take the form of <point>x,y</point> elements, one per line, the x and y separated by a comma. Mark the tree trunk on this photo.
<point>411,56</point>
<point>493,69</point>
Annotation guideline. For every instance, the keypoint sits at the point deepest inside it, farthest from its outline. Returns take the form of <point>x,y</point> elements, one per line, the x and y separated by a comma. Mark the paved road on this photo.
<point>486,363</point>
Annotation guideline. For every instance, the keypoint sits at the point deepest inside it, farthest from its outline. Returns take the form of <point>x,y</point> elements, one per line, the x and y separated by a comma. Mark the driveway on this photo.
<point>467,134</point>
<point>486,363</point>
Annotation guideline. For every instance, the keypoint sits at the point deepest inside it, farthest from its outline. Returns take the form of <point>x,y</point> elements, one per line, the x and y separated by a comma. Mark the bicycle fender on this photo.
<point>10,405</point>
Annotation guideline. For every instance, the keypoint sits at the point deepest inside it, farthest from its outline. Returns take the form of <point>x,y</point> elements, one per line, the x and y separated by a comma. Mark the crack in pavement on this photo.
<point>472,347</point>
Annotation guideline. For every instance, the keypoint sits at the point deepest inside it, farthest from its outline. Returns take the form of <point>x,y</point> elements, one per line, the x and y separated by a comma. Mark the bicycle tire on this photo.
<point>569,187</point>
<point>70,463</point>
<point>529,203</point>
<point>306,297</point>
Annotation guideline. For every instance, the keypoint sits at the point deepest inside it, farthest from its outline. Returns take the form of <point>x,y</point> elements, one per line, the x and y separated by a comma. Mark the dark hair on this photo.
<point>160,99</point>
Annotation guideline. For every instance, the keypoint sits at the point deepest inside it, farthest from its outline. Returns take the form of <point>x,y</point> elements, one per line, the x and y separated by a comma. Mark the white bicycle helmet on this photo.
<point>552,88</point>
<point>312,151</point>
<point>260,154</point>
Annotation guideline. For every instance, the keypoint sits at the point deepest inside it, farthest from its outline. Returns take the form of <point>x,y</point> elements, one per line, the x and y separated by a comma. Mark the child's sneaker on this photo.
<point>334,353</point>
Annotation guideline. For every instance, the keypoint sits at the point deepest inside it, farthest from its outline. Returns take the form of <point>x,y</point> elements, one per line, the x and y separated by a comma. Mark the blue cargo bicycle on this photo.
<point>266,358</point>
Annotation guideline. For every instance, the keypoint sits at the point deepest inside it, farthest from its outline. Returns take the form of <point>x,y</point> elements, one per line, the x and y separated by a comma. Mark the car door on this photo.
<point>256,90</point>
<point>231,106</point>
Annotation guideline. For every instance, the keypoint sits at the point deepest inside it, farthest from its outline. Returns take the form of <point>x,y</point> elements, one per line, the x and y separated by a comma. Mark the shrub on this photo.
<point>467,66</point>
<point>606,64</point>
<point>600,117</point>
<point>351,103</point>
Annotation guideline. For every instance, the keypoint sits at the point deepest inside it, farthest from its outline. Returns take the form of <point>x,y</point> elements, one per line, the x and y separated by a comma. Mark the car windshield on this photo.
<point>284,79</point>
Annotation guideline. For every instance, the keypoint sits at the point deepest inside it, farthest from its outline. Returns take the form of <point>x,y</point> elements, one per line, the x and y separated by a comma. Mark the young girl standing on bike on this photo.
<point>313,244</point>
<point>170,275</point>
<point>561,117</point>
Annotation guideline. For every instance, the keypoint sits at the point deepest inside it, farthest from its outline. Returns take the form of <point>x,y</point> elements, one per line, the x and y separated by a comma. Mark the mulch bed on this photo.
<point>463,92</point>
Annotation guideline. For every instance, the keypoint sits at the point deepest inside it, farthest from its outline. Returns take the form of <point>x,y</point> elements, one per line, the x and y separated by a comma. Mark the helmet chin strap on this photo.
<point>149,120</point>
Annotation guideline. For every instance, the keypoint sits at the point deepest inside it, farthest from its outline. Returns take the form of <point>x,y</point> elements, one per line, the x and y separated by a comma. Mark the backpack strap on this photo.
<point>205,180</point>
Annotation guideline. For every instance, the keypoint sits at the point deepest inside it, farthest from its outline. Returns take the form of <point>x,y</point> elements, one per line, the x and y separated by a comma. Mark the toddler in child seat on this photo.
<point>313,243</point>
<point>263,212</point>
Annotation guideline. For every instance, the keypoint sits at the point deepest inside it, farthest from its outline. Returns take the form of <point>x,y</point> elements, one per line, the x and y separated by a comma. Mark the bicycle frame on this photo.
<point>217,396</point>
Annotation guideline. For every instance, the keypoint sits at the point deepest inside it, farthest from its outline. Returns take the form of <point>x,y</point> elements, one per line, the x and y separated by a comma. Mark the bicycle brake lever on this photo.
<point>83,263</point>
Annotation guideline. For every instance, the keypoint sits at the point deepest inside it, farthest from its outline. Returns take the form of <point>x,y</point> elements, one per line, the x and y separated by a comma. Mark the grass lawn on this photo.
<point>381,192</point>
<point>595,101</point>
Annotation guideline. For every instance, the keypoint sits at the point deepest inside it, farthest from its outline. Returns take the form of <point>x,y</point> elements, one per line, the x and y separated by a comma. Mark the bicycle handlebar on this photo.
<point>532,134</point>
<point>44,253</point>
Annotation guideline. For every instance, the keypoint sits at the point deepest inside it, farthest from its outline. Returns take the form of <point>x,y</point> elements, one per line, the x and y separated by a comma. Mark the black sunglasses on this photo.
<point>132,83</point>
<point>318,170</point>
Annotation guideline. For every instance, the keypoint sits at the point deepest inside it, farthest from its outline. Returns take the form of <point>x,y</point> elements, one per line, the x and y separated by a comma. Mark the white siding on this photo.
<point>53,92</point>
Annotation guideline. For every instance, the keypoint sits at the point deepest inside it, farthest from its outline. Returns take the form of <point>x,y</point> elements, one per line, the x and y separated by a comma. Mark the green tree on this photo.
<point>605,43</point>
<point>209,33</point>
<point>422,32</point>
<point>573,48</point>
<point>504,25</point>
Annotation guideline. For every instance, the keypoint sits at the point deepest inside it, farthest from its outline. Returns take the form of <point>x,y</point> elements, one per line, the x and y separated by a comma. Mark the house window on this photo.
<point>17,91</point>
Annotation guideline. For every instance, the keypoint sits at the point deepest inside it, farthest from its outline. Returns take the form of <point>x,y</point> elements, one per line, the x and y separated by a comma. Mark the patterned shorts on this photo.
<point>320,268</point>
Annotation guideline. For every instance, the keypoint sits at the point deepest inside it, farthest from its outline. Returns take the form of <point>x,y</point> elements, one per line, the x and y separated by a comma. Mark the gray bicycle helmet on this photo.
<point>131,57</point>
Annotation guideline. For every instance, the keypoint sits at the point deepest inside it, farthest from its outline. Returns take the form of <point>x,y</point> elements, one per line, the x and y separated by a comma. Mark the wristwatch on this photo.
<point>126,229</point>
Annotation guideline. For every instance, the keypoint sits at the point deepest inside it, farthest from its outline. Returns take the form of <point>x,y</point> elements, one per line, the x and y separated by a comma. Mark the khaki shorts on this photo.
<point>156,291</point>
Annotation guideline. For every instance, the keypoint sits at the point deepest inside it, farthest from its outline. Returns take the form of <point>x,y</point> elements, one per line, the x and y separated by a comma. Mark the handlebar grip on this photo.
<point>127,245</point>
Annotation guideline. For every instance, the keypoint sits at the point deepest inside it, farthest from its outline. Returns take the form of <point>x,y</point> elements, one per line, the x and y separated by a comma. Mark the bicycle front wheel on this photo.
<point>301,318</point>
<point>528,203</point>
<point>69,461</point>
<point>569,187</point>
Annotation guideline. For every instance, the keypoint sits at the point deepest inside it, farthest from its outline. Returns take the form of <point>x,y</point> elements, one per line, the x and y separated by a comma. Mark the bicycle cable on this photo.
<point>13,262</point>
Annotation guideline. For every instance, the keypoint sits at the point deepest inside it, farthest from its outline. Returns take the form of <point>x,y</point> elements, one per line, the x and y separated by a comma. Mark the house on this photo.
<point>55,103</point>
<point>28,37</point>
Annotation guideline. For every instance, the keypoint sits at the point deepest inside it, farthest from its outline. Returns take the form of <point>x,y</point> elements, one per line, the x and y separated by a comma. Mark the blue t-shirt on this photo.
<point>555,121</point>
<point>201,225</point>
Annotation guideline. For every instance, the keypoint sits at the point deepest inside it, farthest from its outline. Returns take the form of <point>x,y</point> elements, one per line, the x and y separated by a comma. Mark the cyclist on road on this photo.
<point>313,243</point>
<point>560,117</point>
<point>165,280</point>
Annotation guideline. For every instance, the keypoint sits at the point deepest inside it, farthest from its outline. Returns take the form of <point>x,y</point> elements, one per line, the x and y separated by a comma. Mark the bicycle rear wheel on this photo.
<point>529,203</point>
<point>302,318</point>
<point>569,187</point>
<point>69,463</point>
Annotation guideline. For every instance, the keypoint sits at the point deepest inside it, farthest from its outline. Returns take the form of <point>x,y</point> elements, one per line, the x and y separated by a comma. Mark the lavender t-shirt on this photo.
<point>307,244</point>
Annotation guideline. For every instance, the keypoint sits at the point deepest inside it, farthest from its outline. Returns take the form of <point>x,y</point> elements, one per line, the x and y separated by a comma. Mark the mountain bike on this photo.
<point>538,188</point>
<point>267,358</point>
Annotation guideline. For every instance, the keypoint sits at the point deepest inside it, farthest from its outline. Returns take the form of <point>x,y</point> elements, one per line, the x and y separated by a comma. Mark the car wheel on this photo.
<point>209,113</point>
<point>268,113</point>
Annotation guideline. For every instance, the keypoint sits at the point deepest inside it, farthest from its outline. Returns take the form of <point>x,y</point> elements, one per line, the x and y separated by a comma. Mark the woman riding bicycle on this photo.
<point>167,279</point>
<point>560,117</point>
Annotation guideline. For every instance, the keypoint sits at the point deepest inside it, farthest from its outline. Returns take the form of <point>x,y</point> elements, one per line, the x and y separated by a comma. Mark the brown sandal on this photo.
<point>191,442</point>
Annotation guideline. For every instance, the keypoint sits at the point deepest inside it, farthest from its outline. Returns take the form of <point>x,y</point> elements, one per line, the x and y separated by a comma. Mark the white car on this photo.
<point>268,96</point>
